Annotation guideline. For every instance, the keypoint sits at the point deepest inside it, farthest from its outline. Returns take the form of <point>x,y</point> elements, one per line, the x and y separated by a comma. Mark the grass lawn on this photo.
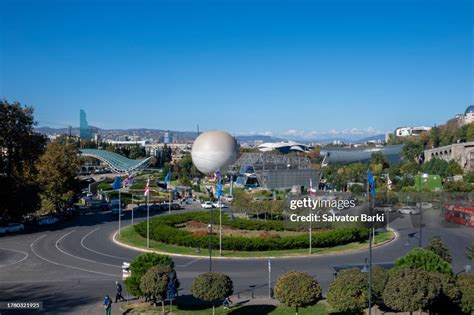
<point>319,309</point>
<point>130,237</point>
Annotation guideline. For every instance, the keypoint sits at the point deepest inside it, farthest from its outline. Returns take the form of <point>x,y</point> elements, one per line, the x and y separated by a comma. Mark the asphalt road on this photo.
<point>71,267</point>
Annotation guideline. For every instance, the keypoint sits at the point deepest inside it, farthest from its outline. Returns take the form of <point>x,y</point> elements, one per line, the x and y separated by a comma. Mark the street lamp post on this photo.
<point>210,239</point>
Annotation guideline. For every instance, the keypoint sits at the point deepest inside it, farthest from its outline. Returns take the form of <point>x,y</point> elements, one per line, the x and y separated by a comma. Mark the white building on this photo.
<point>411,131</point>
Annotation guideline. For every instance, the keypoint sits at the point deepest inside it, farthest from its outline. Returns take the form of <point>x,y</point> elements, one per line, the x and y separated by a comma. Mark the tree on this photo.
<point>58,167</point>
<point>434,137</point>
<point>379,280</point>
<point>20,150</point>
<point>466,286</point>
<point>212,286</point>
<point>449,296</point>
<point>154,283</point>
<point>454,168</point>
<point>297,289</point>
<point>410,168</point>
<point>470,251</point>
<point>378,162</point>
<point>437,246</point>
<point>412,151</point>
<point>420,258</point>
<point>409,290</point>
<point>140,265</point>
<point>137,152</point>
<point>349,292</point>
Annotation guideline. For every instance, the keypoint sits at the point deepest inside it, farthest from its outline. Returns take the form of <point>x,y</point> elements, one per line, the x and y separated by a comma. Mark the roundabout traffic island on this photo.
<point>188,234</point>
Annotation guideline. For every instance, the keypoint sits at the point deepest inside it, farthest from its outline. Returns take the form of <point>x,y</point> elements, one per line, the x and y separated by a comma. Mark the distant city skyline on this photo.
<point>289,69</point>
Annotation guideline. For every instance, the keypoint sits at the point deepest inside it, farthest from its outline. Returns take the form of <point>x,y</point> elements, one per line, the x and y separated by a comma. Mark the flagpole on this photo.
<point>132,208</point>
<point>148,220</point>
<point>220,226</point>
<point>120,211</point>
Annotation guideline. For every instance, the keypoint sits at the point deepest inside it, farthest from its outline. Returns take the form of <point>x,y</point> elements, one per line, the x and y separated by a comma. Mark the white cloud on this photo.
<point>311,134</point>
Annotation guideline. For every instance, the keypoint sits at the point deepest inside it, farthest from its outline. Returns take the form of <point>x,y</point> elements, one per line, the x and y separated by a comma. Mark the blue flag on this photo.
<point>117,184</point>
<point>220,191</point>
<point>370,180</point>
<point>167,178</point>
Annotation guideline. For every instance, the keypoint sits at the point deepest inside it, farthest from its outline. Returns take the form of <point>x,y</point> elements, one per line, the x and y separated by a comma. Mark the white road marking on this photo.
<point>77,257</point>
<point>66,266</point>
<point>16,262</point>
<point>96,252</point>
<point>189,263</point>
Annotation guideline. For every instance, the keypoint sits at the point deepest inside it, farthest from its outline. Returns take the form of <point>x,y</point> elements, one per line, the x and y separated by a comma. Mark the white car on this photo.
<point>48,221</point>
<point>219,205</point>
<point>207,205</point>
<point>409,210</point>
<point>12,228</point>
<point>385,209</point>
<point>228,198</point>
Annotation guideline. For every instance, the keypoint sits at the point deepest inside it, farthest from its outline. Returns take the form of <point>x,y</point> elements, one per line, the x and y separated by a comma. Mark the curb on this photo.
<point>144,250</point>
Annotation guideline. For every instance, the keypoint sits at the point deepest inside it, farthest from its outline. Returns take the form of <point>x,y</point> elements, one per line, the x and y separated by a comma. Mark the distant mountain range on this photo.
<point>184,136</point>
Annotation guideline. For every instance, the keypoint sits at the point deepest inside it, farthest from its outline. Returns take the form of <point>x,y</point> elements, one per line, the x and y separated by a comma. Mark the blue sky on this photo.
<point>286,68</point>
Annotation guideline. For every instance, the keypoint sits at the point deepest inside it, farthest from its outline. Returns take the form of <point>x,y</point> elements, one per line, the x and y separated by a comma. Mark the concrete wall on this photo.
<point>462,153</point>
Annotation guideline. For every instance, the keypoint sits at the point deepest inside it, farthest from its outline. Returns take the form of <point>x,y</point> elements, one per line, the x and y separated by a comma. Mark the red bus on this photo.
<point>460,214</point>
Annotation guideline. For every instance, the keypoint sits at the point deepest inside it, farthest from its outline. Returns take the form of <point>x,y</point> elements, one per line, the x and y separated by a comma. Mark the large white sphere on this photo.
<point>214,150</point>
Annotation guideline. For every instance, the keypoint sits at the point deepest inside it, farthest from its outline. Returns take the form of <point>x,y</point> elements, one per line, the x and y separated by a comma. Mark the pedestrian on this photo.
<point>118,295</point>
<point>227,302</point>
<point>108,305</point>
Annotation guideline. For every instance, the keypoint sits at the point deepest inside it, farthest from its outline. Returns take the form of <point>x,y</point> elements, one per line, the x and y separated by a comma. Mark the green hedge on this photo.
<point>163,229</point>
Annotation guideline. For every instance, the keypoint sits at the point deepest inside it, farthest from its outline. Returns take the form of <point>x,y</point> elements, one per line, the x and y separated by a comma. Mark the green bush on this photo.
<point>154,283</point>
<point>437,246</point>
<point>420,258</point>
<point>349,292</point>
<point>140,265</point>
<point>163,229</point>
<point>410,290</point>
<point>379,280</point>
<point>212,286</point>
<point>466,286</point>
<point>449,296</point>
<point>297,289</point>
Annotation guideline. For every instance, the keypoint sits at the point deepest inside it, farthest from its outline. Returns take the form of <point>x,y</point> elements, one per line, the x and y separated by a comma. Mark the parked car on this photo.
<point>228,198</point>
<point>409,210</point>
<point>207,205</point>
<point>175,206</point>
<point>189,201</point>
<point>48,220</point>
<point>219,205</point>
<point>156,207</point>
<point>12,228</point>
<point>385,209</point>
<point>143,208</point>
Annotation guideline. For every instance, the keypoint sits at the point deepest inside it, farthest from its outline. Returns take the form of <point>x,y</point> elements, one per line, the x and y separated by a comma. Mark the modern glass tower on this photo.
<point>84,130</point>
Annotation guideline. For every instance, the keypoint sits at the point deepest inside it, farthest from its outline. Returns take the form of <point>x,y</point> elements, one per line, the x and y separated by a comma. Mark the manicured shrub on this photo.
<point>379,280</point>
<point>449,297</point>
<point>466,286</point>
<point>154,283</point>
<point>164,229</point>
<point>420,258</point>
<point>410,290</point>
<point>140,265</point>
<point>349,292</point>
<point>212,286</point>
<point>437,246</point>
<point>297,289</point>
